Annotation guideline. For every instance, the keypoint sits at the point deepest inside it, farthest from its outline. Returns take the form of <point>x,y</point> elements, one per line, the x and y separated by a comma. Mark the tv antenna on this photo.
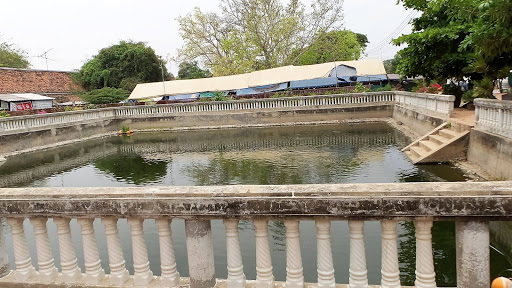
<point>45,56</point>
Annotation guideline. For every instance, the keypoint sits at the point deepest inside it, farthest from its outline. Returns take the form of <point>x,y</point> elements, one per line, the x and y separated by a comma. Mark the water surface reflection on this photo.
<point>353,153</point>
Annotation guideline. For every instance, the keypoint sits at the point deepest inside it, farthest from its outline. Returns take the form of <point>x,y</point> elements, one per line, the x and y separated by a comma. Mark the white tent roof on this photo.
<point>254,79</point>
<point>11,97</point>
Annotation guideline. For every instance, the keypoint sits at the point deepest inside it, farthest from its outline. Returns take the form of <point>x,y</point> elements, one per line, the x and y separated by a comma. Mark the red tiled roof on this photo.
<point>36,81</point>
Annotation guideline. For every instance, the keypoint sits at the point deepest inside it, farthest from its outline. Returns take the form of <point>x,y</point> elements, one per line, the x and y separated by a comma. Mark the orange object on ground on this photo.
<point>501,282</point>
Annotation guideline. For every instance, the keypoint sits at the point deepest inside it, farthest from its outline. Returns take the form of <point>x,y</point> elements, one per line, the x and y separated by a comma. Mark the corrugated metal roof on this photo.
<point>254,79</point>
<point>23,97</point>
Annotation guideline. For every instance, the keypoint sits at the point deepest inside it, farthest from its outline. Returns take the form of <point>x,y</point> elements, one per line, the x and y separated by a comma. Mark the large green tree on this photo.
<point>341,45</point>
<point>191,70</point>
<point>255,34</point>
<point>453,39</point>
<point>123,66</point>
<point>12,57</point>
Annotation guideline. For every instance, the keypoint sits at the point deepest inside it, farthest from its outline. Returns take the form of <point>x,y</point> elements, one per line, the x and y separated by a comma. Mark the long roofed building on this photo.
<point>265,80</point>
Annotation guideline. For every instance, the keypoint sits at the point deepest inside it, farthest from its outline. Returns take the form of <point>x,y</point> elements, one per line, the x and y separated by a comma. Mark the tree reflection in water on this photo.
<point>132,168</point>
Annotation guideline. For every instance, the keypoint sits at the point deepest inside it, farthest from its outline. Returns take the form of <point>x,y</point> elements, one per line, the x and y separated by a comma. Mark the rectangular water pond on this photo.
<point>348,153</point>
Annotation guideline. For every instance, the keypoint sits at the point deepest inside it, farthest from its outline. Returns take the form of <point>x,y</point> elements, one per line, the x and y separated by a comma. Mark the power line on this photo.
<point>397,30</point>
<point>386,41</point>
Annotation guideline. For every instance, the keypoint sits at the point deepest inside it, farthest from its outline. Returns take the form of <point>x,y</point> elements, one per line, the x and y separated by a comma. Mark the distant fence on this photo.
<point>440,104</point>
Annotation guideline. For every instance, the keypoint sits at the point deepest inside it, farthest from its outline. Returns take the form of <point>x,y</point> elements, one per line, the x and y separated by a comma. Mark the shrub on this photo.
<point>105,95</point>
<point>483,88</point>
<point>385,88</point>
<point>4,114</point>
<point>434,88</point>
<point>360,88</point>
<point>219,96</point>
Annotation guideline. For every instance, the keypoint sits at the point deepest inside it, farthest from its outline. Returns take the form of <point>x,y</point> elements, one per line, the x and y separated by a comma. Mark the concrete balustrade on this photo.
<point>438,104</point>
<point>494,116</point>
<point>471,205</point>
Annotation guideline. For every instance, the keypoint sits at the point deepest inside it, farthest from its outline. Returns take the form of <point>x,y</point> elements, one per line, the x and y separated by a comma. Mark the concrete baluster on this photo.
<point>170,276</point>
<point>70,271</point>
<point>118,273</point>
<point>142,275</point>
<point>358,273</point>
<point>500,118</point>
<point>324,254</point>
<point>425,274</point>
<point>390,269</point>
<point>473,254</point>
<point>4,258</point>
<point>47,270</point>
<point>24,268</point>
<point>236,277</point>
<point>264,275</point>
<point>93,271</point>
<point>294,270</point>
<point>200,253</point>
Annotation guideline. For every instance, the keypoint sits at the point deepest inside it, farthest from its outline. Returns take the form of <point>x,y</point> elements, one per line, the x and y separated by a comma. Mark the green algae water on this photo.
<point>348,153</point>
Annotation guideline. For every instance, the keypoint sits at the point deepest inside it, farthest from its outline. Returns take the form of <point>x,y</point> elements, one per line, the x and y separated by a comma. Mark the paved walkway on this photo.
<point>463,116</point>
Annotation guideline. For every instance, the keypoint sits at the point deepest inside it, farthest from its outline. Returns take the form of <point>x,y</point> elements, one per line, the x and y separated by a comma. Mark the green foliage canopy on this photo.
<point>105,95</point>
<point>391,65</point>
<point>342,45</point>
<point>13,57</point>
<point>457,38</point>
<point>191,70</point>
<point>123,66</point>
<point>255,34</point>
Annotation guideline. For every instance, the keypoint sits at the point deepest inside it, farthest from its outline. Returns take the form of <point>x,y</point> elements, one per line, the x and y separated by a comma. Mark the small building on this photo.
<point>24,101</point>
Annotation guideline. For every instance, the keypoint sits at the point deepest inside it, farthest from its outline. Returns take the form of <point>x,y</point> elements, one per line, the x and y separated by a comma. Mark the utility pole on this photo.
<point>163,77</point>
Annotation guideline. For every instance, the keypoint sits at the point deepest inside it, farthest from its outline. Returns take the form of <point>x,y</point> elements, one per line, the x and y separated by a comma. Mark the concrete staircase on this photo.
<point>439,145</point>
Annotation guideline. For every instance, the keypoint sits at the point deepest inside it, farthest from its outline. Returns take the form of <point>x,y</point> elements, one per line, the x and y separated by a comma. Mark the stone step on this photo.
<point>438,139</point>
<point>411,155</point>
<point>447,133</point>
<point>418,151</point>
<point>428,145</point>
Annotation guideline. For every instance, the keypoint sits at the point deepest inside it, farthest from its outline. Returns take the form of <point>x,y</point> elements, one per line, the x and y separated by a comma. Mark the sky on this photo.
<point>74,31</point>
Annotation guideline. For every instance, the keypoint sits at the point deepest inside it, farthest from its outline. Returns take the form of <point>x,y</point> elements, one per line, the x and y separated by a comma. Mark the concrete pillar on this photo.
<point>4,259</point>
<point>324,254</point>
<point>118,273</point>
<point>68,262</point>
<point>236,276</point>
<point>93,271</point>
<point>47,270</point>
<point>201,265</point>
<point>142,275</point>
<point>425,272</point>
<point>24,268</point>
<point>358,275</point>
<point>264,270</point>
<point>294,269</point>
<point>473,256</point>
<point>170,276</point>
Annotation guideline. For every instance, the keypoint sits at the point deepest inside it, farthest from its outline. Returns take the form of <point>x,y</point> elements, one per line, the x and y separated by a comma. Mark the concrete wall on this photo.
<point>420,123</point>
<point>59,134</point>
<point>493,153</point>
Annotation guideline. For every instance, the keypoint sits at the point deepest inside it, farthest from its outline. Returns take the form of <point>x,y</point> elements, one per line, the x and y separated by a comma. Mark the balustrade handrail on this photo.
<point>441,97</point>
<point>441,104</point>
<point>346,201</point>
<point>470,204</point>
<point>494,116</point>
<point>493,103</point>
